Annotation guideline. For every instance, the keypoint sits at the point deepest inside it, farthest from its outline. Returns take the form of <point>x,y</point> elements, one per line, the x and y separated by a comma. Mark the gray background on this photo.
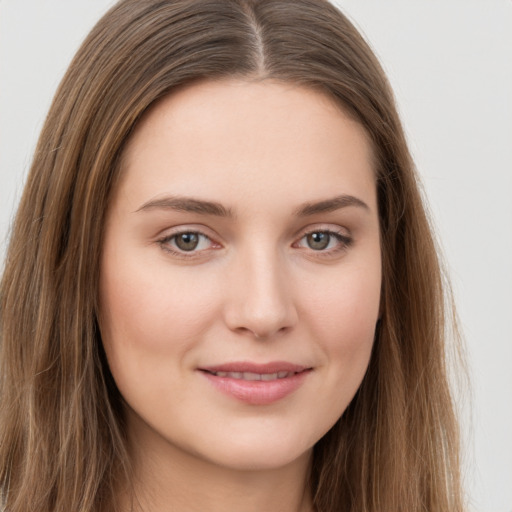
<point>450,63</point>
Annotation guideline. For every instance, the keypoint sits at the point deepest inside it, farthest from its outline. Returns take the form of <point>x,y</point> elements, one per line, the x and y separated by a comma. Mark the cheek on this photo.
<point>342,320</point>
<point>152,318</point>
<point>151,311</point>
<point>346,307</point>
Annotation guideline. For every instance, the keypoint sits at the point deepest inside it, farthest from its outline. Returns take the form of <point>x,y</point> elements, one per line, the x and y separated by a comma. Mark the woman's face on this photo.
<point>241,273</point>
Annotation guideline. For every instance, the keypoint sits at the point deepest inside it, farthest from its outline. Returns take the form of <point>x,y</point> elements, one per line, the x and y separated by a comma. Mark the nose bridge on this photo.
<point>261,301</point>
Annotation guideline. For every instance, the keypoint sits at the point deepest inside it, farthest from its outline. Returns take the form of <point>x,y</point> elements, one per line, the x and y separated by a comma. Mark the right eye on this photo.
<point>186,243</point>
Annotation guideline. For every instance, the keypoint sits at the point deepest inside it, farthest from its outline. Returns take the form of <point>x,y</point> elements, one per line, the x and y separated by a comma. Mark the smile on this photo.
<point>255,376</point>
<point>256,384</point>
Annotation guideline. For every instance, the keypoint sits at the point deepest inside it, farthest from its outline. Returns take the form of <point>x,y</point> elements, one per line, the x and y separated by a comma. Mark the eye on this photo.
<point>318,240</point>
<point>186,242</point>
<point>325,241</point>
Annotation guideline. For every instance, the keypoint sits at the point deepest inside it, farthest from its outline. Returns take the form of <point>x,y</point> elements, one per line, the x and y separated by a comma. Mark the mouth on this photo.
<point>257,384</point>
<point>254,376</point>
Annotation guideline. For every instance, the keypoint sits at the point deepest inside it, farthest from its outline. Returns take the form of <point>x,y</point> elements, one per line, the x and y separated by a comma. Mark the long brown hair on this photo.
<point>61,424</point>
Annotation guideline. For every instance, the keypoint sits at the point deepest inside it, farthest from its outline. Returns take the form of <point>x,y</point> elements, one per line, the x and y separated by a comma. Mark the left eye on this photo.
<point>323,240</point>
<point>187,241</point>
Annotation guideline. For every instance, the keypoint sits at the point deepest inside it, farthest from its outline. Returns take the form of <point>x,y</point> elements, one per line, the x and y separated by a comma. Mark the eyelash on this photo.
<point>344,242</point>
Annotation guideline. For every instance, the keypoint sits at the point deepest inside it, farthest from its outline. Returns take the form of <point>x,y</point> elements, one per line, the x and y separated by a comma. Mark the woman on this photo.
<point>222,194</point>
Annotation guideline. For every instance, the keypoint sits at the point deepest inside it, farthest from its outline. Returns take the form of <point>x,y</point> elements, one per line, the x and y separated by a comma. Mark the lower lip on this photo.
<point>258,392</point>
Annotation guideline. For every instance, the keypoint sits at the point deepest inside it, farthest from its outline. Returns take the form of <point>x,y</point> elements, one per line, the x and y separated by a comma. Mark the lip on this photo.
<point>257,392</point>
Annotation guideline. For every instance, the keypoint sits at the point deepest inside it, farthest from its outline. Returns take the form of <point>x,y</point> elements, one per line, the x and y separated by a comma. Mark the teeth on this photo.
<point>251,376</point>
<point>254,376</point>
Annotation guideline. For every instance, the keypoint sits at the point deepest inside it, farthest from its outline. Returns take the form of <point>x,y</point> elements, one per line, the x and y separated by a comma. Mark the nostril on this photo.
<point>261,332</point>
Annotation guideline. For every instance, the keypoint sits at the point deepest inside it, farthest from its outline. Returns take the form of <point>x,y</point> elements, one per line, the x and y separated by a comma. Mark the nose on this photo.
<point>260,300</point>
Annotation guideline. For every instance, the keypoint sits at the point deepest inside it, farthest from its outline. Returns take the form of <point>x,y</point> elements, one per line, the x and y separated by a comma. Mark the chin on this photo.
<point>257,458</point>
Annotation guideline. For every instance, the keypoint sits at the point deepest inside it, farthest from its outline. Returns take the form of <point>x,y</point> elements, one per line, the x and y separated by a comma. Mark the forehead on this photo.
<point>247,137</point>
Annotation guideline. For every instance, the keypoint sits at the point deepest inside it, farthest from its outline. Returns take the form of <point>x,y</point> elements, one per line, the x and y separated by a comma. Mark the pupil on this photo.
<point>318,241</point>
<point>187,241</point>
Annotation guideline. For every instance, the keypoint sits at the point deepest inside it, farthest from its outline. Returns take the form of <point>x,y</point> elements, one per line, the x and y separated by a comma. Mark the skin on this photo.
<point>255,289</point>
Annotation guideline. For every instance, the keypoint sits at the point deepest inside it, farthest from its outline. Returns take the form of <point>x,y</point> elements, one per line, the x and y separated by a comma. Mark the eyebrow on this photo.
<point>200,206</point>
<point>188,204</point>
<point>330,205</point>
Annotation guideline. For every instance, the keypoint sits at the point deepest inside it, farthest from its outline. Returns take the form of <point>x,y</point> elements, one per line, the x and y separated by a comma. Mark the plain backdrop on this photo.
<point>450,64</point>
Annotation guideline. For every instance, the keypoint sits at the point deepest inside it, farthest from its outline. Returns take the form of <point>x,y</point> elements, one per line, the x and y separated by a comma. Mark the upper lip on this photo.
<point>247,366</point>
